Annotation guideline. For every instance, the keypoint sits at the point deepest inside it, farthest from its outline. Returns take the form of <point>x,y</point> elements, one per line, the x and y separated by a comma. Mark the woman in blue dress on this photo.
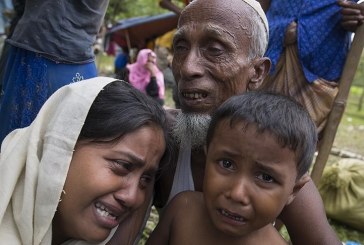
<point>308,45</point>
<point>51,46</point>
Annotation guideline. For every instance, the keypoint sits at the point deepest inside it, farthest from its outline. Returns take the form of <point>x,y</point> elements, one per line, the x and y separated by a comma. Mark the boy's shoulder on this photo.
<point>188,198</point>
<point>186,204</point>
<point>188,219</point>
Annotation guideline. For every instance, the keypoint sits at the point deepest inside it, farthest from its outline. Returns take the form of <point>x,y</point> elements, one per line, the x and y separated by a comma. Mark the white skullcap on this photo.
<point>256,6</point>
<point>258,9</point>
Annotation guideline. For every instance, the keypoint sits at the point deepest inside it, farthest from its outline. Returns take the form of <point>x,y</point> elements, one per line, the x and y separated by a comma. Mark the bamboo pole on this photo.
<point>351,64</point>
<point>127,37</point>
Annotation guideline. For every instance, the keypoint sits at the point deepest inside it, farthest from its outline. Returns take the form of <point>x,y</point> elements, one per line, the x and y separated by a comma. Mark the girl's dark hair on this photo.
<point>280,115</point>
<point>120,109</point>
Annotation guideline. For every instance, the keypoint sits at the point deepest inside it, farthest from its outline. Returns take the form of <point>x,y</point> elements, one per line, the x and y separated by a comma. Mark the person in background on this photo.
<point>164,62</point>
<point>51,46</point>
<point>308,46</point>
<point>18,10</point>
<point>19,6</point>
<point>120,62</point>
<point>6,12</point>
<point>145,75</point>
<point>352,14</point>
<point>259,149</point>
<point>164,49</point>
<point>83,166</point>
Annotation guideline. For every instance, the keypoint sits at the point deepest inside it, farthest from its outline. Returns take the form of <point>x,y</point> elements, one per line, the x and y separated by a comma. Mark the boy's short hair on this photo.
<point>280,115</point>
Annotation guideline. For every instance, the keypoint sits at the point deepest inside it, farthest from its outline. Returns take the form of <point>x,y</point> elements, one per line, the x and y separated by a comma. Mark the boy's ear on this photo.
<point>261,68</point>
<point>299,184</point>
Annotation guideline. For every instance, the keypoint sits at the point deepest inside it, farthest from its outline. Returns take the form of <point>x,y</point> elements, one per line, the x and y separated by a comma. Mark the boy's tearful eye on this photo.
<point>265,177</point>
<point>226,164</point>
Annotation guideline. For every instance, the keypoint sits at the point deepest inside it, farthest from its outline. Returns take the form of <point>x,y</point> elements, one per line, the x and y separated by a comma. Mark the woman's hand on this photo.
<point>150,66</point>
<point>291,34</point>
<point>352,14</point>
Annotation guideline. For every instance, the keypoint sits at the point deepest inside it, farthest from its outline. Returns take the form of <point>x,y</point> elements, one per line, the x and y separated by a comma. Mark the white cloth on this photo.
<point>34,162</point>
<point>183,180</point>
<point>258,8</point>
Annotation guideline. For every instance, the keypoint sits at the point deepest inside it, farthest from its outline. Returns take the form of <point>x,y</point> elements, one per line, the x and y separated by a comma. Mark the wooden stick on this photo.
<point>351,64</point>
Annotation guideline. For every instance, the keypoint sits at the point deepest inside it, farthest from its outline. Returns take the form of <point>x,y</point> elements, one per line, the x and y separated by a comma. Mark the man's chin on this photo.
<point>191,127</point>
<point>199,109</point>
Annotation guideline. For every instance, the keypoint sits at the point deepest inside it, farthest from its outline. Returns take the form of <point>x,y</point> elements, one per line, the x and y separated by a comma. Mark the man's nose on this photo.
<point>192,65</point>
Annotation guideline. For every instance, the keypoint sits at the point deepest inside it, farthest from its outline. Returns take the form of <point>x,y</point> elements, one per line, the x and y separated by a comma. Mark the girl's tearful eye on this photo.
<point>121,167</point>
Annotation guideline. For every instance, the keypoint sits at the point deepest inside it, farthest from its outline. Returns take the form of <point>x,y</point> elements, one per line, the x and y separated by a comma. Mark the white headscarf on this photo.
<point>258,8</point>
<point>34,162</point>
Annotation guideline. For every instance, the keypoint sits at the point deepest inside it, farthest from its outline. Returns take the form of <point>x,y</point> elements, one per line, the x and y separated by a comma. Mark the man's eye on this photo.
<point>226,164</point>
<point>214,51</point>
<point>180,46</point>
<point>265,178</point>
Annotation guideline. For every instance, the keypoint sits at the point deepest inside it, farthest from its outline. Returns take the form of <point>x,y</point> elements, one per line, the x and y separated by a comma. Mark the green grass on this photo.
<point>346,233</point>
<point>350,134</point>
<point>350,137</point>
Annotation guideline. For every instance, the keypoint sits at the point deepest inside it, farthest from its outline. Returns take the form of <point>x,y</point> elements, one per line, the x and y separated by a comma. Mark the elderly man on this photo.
<point>218,53</point>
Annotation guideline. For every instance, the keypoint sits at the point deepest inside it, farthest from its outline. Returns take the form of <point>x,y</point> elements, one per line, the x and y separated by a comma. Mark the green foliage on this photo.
<point>121,9</point>
<point>151,224</point>
<point>346,233</point>
<point>105,64</point>
<point>358,79</point>
<point>350,133</point>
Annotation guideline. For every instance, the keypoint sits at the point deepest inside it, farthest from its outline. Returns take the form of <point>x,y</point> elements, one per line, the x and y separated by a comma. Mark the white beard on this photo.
<point>191,127</point>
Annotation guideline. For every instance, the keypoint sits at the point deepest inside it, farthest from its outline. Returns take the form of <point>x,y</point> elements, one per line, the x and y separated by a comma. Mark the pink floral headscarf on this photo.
<point>139,76</point>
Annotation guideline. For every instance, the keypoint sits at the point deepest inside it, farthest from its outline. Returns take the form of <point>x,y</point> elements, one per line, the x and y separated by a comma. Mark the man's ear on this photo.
<point>297,187</point>
<point>261,68</point>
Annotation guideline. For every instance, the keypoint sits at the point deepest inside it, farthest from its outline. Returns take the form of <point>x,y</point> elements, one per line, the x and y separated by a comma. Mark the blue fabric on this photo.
<point>352,243</point>
<point>63,31</point>
<point>322,42</point>
<point>29,79</point>
<point>121,60</point>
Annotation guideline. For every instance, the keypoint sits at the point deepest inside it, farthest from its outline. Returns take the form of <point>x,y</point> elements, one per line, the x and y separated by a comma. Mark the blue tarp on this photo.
<point>135,21</point>
<point>140,30</point>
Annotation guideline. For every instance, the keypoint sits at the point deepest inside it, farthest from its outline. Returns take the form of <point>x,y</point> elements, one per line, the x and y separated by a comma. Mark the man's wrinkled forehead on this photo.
<point>209,30</point>
<point>213,13</point>
<point>216,22</point>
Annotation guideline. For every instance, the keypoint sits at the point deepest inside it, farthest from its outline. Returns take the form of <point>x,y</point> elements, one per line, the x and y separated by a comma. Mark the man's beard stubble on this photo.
<point>191,126</point>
